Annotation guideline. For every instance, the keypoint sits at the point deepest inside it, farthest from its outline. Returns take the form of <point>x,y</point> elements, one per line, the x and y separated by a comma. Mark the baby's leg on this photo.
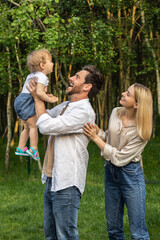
<point>33,132</point>
<point>24,136</point>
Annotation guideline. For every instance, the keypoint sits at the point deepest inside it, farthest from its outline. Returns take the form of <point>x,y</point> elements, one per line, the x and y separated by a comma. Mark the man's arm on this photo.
<point>69,123</point>
<point>66,124</point>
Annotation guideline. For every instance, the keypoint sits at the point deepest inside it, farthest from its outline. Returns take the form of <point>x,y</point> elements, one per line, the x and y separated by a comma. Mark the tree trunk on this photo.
<point>110,104</point>
<point>9,112</point>
<point>154,60</point>
<point>15,132</point>
<point>121,58</point>
<point>103,116</point>
<point>19,66</point>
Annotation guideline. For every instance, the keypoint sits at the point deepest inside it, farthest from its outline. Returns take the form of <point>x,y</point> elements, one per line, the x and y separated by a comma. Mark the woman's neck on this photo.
<point>130,114</point>
<point>129,118</point>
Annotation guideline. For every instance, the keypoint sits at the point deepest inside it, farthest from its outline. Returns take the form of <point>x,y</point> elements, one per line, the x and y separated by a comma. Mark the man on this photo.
<point>66,159</point>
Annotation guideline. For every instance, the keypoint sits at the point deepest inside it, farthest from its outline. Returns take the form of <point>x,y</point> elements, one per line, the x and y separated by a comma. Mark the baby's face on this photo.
<point>48,66</point>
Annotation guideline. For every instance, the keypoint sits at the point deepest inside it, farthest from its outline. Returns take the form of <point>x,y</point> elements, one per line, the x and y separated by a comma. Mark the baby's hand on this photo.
<point>53,99</point>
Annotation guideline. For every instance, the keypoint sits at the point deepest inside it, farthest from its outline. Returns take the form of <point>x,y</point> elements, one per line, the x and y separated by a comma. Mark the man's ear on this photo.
<point>42,64</point>
<point>87,87</point>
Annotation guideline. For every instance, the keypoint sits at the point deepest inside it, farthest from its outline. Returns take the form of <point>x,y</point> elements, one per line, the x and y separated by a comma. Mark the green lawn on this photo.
<point>21,197</point>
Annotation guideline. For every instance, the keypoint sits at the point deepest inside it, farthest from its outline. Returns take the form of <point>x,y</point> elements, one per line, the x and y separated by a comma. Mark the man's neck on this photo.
<point>77,97</point>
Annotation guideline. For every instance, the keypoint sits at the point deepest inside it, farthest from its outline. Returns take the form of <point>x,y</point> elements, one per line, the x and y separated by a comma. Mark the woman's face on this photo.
<point>128,100</point>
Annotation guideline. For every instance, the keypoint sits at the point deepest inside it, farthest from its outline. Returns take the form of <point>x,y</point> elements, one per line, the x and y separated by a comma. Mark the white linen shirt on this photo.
<point>70,145</point>
<point>41,78</point>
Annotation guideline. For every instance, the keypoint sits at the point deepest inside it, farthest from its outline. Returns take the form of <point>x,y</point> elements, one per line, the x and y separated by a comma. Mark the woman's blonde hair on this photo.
<point>35,58</point>
<point>144,114</point>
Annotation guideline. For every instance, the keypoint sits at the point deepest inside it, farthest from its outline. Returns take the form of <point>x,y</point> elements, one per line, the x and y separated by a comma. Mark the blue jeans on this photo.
<point>125,185</point>
<point>61,213</point>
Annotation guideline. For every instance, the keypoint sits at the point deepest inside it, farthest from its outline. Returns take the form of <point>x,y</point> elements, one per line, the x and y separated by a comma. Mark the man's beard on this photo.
<point>74,90</point>
<point>70,93</point>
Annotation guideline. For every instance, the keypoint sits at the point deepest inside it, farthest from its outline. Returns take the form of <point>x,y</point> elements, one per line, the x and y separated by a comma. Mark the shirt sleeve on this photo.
<point>42,78</point>
<point>103,134</point>
<point>43,81</point>
<point>54,112</point>
<point>127,154</point>
<point>72,122</point>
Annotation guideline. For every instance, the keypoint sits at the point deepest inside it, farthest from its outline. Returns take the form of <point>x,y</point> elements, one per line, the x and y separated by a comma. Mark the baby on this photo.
<point>40,64</point>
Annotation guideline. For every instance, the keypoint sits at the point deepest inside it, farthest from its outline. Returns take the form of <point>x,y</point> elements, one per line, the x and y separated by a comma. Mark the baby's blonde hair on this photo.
<point>35,58</point>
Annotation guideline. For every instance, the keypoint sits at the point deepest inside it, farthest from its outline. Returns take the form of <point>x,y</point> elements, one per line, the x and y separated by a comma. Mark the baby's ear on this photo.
<point>42,65</point>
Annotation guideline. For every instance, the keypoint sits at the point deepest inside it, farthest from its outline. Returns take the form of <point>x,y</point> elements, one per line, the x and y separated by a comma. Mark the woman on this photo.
<point>130,128</point>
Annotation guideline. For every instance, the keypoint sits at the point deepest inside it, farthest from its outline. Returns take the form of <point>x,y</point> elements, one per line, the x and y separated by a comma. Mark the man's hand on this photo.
<point>32,87</point>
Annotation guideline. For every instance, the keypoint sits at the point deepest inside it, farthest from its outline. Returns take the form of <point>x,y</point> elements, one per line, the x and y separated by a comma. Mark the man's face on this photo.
<point>76,83</point>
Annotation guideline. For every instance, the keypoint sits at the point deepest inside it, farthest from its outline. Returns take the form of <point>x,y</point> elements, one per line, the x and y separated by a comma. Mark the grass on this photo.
<point>21,197</point>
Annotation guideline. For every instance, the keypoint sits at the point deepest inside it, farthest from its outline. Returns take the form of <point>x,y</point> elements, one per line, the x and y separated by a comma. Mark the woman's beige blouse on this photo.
<point>122,143</point>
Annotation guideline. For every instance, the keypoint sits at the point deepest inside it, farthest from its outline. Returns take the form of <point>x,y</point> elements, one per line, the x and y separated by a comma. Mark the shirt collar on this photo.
<point>79,102</point>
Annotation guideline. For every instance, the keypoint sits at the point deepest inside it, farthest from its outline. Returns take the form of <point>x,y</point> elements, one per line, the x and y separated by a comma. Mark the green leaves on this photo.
<point>108,34</point>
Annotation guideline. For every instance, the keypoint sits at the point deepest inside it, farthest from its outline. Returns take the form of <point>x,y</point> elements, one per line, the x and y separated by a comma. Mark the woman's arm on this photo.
<point>130,152</point>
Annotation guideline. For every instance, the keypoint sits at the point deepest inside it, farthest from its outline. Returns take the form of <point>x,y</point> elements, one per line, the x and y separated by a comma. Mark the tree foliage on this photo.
<point>107,34</point>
